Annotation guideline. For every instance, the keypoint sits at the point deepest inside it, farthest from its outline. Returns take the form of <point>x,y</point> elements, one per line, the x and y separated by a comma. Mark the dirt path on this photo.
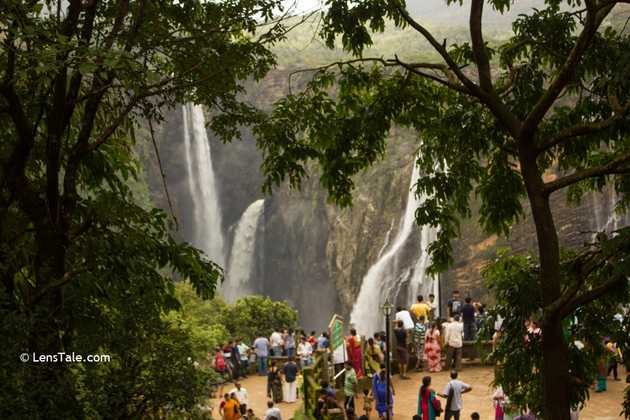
<point>601,406</point>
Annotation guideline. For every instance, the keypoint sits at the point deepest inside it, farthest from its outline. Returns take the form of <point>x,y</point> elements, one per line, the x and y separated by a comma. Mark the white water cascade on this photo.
<point>208,235</point>
<point>237,280</point>
<point>386,276</point>
<point>606,218</point>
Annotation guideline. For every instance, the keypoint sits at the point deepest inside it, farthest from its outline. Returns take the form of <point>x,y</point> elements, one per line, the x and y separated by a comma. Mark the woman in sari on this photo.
<point>373,357</point>
<point>274,384</point>
<point>432,350</point>
<point>353,344</point>
<point>426,410</point>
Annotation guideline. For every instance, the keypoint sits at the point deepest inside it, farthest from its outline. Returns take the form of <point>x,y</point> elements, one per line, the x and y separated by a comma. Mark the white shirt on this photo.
<point>243,349</point>
<point>498,323</point>
<point>405,317</point>
<point>433,306</point>
<point>305,350</point>
<point>273,412</point>
<point>454,334</point>
<point>458,386</point>
<point>276,339</point>
<point>240,395</point>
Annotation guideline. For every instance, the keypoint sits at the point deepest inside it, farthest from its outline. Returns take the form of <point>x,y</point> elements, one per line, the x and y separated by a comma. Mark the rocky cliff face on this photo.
<point>315,255</point>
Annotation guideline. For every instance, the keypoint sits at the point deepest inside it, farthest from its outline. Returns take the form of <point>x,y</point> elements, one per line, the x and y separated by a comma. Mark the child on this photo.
<point>367,402</point>
<point>474,416</point>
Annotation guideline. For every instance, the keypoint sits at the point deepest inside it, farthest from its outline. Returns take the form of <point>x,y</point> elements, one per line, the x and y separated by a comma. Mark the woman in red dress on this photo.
<point>432,349</point>
<point>353,345</point>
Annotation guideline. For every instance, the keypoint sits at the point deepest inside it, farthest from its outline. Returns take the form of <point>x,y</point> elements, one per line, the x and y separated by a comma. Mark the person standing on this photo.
<point>289,342</point>
<point>420,308</point>
<point>218,363</point>
<point>353,345</point>
<point>426,401</point>
<point>261,348</point>
<point>272,413</point>
<point>244,351</point>
<point>419,332</point>
<point>499,399</point>
<point>468,315</point>
<point>276,343</point>
<point>454,304</point>
<point>235,360</point>
<point>290,372</point>
<point>274,383</point>
<point>401,348</point>
<point>305,352</point>
<point>380,392</point>
<point>312,340</point>
<point>453,393</point>
<point>373,357</point>
<point>350,383</point>
<point>230,409</point>
<point>614,357</point>
<point>322,341</point>
<point>453,339</point>
<point>403,315</point>
<point>432,349</point>
<point>241,396</point>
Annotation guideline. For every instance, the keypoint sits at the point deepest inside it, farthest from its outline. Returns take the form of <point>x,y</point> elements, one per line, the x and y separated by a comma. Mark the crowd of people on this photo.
<point>420,335</point>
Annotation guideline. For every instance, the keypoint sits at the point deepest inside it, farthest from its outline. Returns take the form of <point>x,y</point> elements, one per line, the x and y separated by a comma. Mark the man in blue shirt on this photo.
<point>261,348</point>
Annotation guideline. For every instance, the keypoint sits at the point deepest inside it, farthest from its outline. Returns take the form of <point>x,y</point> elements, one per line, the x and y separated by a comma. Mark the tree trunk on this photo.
<point>555,370</point>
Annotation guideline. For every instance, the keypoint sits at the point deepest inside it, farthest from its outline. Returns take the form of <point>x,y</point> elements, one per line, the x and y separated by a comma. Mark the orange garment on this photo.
<point>231,410</point>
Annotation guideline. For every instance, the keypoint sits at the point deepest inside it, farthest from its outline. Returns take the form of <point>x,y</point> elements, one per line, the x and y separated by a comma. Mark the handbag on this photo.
<point>437,406</point>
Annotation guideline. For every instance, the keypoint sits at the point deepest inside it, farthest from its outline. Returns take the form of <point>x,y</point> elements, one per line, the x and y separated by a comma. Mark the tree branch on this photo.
<point>592,294</point>
<point>576,131</point>
<point>616,166</point>
<point>479,47</point>
<point>594,18</point>
<point>511,123</point>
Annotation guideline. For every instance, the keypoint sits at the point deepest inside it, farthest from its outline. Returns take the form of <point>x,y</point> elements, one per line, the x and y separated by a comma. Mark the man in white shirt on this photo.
<point>403,315</point>
<point>241,396</point>
<point>453,407</point>
<point>243,351</point>
<point>276,343</point>
<point>273,413</point>
<point>453,340</point>
<point>304,351</point>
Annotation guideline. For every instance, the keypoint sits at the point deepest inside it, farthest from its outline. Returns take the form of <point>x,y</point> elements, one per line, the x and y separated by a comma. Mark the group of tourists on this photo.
<point>420,333</point>
<point>290,344</point>
<point>231,360</point>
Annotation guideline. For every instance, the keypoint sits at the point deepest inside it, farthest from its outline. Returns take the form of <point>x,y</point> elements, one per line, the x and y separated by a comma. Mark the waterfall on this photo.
<point>386,277</point>
<point>237,280</point>
<point>421,282</point>
<point>206,222</point>
<point>607,219</point>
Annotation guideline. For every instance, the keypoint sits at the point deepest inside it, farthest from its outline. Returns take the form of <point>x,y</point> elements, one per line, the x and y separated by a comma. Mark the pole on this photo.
<point>439,297</point>
<point>387,365</point>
